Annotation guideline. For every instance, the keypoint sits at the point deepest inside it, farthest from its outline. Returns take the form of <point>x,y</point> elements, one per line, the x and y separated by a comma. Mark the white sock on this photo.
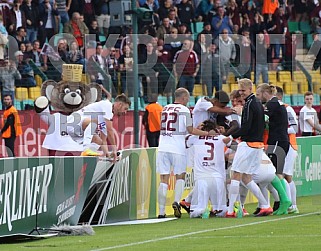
<point>265,193</point>
<point>179,189</point>
<point>88,134</point>
<point>273,191</point>
<point>243,193</point>
<point>254,188</point>
<point>162,192</point>
<point>293,193</point>
<point>189,196</point>
<point>233,193</point>
<point>288,189</point>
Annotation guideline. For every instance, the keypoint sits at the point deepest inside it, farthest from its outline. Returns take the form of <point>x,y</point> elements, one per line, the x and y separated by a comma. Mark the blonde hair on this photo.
<point>270,89</point>
<point>245,82</point>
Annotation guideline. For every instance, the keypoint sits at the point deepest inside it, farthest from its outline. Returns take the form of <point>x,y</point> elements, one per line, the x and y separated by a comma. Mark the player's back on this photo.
<point>174,122</point>
<point>200,112</point>
<point>209,160</point>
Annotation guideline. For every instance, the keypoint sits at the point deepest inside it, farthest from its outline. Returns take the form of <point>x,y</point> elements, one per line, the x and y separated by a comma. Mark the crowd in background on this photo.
<point>212,49</point>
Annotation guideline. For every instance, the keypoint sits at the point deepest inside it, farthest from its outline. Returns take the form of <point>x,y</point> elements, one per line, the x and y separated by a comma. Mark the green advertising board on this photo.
<point>51,191</point>
<point>307,172</point>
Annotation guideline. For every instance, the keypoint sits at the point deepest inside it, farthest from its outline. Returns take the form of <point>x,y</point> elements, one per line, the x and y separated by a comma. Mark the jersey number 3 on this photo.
<point>210,151</point>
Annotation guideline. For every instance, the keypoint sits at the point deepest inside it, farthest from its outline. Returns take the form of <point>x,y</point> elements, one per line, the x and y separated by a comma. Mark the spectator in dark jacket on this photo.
<point>31,12</point>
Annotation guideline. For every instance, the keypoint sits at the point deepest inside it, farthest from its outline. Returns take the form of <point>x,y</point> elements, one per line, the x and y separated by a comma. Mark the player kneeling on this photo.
<point>209,170</point>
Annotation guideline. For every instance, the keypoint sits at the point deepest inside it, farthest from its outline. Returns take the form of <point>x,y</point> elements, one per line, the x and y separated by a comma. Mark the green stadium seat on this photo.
<point>26,102</point>
<point>297,99</point>
<point>316,99</point>
<point>287,99</point>
<point>309,40</point>
<point>162,100</point>
<point>293,26</point>
<point>191,101</point>
<point>17,105</point>
<point>198,27</point>
<point>305,27</point>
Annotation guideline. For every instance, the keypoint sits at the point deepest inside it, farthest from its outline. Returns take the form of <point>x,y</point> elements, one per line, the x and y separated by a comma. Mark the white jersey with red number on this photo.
<point>200,111</point>
<point>209,160</point>
<point>174,122</point>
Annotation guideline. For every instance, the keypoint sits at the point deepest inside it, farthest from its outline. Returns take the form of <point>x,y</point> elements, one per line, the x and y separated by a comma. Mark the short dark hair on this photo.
<point>123,98</point>
<point>222,97</point>
<point>279,90</point>
<point>308,94</point>
<point>208,125</point>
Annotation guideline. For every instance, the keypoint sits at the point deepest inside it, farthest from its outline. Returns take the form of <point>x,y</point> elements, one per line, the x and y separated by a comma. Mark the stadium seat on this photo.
<point>38,80</point>
<point>293,26</point>
<point>309,40</point>
<point>198,90</point>
<point>21,93</point>
<point>191,102</point>
<point>17,105</point>
<point>284,76</point>
<point>291,88</point>
<point>162,100</point>
<point>298,99</point>
<point>303,87</point>
<point>316,99</point>
<point>226,88</point>
<point>234,87</point>
<point>305,27</point>
<point>287,99</point>
<point>26,102</point>
<point>317,87</point>
<point>34,92</point>
<point>272,77</point>
<point>198,27</point>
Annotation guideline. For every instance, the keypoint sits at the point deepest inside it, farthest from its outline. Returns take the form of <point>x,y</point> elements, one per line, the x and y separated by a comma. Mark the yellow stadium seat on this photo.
<point>272,77</point>
<point>226,87</point>
<point>285,76</point>
<point>34,92</point>
<point>21,93</point>
<point>198,91</point>
<point>291,88</point>
<point>317,88</point>
<point>279,84</point>
<point>38,80</point>
<point>234,87</point>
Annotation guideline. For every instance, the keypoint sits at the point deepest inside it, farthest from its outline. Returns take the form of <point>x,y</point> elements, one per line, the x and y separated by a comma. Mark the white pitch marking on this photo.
<point>258,236</point>
<point>202,231</point>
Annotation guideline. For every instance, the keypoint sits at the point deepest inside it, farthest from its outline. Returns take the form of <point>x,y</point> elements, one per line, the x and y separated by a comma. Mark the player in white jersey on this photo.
<point>176,123</point>
<point>308,119</point>
<point>209,171</point>
<point>83,124</point>
<point>205,109</point>
<point>292,153</point>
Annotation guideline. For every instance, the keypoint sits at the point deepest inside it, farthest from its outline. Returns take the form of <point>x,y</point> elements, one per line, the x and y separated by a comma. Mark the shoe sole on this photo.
<point>263,214</point>
<point>177,210</point>
<point>186,208</point>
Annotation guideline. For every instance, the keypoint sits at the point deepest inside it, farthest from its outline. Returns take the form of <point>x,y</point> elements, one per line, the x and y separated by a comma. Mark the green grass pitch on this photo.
<point>290,232</point>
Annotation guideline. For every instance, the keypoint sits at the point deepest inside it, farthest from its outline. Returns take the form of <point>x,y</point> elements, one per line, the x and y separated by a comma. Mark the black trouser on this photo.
<point>277,153</point>
<point>152,138</point>
<point>9,143</point>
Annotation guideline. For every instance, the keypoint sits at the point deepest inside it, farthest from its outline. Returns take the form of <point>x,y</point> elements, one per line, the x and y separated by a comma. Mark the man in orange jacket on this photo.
<point>11,125</point>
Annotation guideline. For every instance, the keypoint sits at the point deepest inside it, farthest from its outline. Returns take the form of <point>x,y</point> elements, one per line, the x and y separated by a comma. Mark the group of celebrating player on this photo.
<point>256,136</point>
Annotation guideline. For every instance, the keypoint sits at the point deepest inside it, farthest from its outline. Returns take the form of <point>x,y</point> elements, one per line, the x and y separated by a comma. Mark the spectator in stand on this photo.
<point>63,7</point>
<point>300,8</point>
<point>261,59</point>
<point>16,18</point>
<point>244,58</point>
<point>152,121</point>
<point>203,9</point>
<point>153,3</point>
<point>48,28</point>
<point>21,36</point>
<point>11,125</point>
<point>232,10</point>
<point>269,7</point>
<point>246,23</point>
<point>211,68</point>
<point>3,38</point>
<point>164,28</point>
<point>126,71</point>
<point>75,55</point>
<point>32,19</point>
<point>173,42</point>
<point>258,25</point>
<point>153,6</point>
<point>165,8</point>
<point>35,54</point>
<point>77,28</point>
<point>316,52</point>
<point>221,22</point>
<point>289,62</point>
<point>227,52</point>
<point>63,50</point>
<point>186,66</point>
<point>200,49</point>
<point>27,74</point>
<point>113,67</point>
<point>185,12</point>
<point>308,118</point>
<point>8,75</point>
<point>281,21</point>
<point>207,30</point>
<point>93,29</point>
<point>101,8</point>
<point>183,30</point>
<point>173,18</point>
